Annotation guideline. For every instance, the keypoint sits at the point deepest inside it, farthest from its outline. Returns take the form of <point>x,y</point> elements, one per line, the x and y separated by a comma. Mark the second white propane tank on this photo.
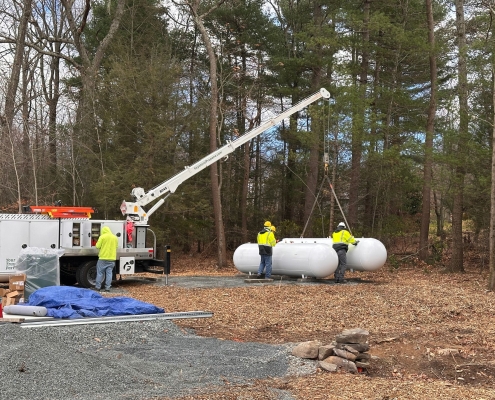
<point>369,255</point>
<point>316,260</point>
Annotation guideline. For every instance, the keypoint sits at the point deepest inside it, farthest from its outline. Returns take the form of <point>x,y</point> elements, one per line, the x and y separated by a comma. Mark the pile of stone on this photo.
<point>347,352</point>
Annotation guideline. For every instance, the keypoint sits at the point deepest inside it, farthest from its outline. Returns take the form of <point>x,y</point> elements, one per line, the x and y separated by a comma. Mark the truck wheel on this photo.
<point>86,274</point>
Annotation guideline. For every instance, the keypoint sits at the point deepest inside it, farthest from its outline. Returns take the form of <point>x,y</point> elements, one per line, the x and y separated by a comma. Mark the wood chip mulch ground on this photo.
<point>432,334</point>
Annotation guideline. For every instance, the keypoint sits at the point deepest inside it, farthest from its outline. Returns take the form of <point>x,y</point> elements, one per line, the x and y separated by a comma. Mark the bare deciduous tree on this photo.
<point>193,6</point>
<point>7,120</point>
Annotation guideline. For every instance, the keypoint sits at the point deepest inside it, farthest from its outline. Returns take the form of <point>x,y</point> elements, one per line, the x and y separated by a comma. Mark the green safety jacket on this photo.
<point>266,241</point>
<point>341,239</point>
<point>107,243</point>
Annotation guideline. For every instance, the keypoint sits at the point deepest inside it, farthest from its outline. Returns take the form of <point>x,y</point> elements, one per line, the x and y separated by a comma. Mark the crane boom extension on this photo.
<point>138,214</point>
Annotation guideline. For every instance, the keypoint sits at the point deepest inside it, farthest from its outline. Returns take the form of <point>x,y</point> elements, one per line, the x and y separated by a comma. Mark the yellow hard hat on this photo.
<point>273,229</point>
<point>268,223</point>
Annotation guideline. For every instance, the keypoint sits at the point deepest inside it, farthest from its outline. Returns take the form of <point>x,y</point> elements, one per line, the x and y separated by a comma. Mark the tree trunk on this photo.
<point>215,186</point>
<point>245,184</point>
<point>311,184</point>
<point>292,201</point>
<point>51,90</point>
<point>257,174</point>
<point>491,279</point>
<point>430,126</point>
<point>314,151</point>
<point>25,159</point>
<point>7,129</point>
<point>247,169</point>
<point>331,218</point>
<point>439,215</point>
<point>246,155</point>
<point>456,261</point>
<point>358,122</point>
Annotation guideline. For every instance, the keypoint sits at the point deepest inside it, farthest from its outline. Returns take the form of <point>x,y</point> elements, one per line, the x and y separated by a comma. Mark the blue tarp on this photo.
<point>71,302</point>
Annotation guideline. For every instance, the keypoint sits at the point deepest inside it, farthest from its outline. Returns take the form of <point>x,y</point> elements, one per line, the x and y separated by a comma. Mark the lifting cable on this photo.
<point>338,203</point>
<point>326,178</point>
<point>312,209</point>
<point>326,162</point>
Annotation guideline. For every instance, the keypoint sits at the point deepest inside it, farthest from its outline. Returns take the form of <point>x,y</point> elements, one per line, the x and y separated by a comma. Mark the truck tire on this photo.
<point>86,274</point>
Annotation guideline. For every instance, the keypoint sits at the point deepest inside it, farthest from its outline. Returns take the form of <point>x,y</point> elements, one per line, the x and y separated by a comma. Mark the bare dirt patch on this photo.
<point>432,334</point>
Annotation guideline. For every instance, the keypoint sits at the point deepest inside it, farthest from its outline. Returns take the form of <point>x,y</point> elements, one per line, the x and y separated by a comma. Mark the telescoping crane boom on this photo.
<point>135,209</point>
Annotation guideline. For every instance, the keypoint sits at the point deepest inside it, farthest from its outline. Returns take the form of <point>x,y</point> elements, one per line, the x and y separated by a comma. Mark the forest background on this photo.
<point>99,97</point>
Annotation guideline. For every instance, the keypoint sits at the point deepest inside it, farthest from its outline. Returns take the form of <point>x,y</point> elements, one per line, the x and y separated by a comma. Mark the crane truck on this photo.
<point>72,230</point>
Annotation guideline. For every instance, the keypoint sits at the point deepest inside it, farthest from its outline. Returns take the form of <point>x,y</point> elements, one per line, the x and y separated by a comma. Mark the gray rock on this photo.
<point>325,351</point>
<point>361,364</point>
<point>342,362</point>
<point>350,349</point>
<point>307,349</point>
<point>356,335</point>
<point>363,356</point>
<point>353,347</point>
<point>345,354</point>
<point>327,366</point>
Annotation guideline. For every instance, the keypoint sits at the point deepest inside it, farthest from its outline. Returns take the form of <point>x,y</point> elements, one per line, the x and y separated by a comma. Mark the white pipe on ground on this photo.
<point>16,309</point>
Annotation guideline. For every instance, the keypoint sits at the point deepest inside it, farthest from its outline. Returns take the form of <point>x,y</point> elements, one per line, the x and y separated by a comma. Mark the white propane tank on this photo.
<point>328,241</point>
<point>369,255</point>
<point>316,260</point>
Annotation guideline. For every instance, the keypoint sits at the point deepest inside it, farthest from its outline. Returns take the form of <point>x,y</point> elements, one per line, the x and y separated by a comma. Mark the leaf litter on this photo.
<point>432,335</point>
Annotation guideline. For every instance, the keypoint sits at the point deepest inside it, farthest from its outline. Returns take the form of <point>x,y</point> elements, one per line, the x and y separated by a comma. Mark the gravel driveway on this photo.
<point>240,280</point>
<point>131,360</point>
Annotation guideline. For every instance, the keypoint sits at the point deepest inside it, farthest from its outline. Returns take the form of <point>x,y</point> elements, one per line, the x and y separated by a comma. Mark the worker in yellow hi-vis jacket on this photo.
<point>107,245</point>
<point>342,238</point>
<point>266,242</point>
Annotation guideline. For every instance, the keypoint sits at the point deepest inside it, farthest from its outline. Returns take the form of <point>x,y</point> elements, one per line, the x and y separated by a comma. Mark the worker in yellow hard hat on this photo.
<point>342,238</point>
<point>266,241</point>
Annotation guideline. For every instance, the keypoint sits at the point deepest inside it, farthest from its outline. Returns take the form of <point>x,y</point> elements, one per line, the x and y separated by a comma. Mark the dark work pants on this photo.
<point>340,271</point>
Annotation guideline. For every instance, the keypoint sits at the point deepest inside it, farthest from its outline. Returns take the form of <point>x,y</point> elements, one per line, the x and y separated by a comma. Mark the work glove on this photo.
<point>355,244</point>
